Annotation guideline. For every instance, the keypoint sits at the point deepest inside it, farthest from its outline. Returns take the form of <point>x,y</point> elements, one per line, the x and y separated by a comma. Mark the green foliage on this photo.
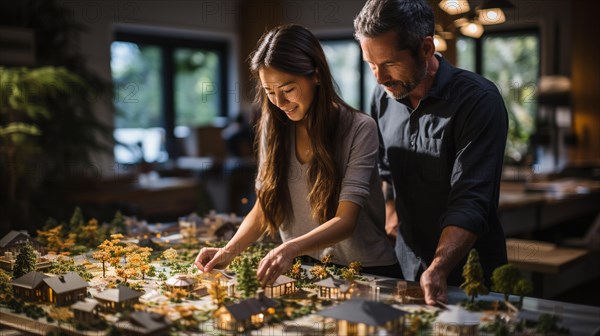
<point>5,285</point>
<point>26,260</point>
<point>246,277</point>
<point>507,279</point>
<point>117,225</point>
<point>65,265</point>
<point>473,275</point>
<point>548,325</point>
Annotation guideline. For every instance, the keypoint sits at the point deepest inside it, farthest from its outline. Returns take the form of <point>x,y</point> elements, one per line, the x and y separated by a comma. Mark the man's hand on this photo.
<point>434,285</point>
<point>453,245</point>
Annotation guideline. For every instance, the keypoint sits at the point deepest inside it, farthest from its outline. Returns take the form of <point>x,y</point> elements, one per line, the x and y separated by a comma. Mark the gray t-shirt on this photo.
<point>361,185</point>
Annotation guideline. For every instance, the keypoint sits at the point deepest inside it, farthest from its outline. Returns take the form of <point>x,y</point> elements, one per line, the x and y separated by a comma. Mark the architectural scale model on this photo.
<point>109,283</point>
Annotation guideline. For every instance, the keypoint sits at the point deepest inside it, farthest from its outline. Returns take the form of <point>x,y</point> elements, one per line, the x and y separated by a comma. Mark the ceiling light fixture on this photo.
<point>454,7</point>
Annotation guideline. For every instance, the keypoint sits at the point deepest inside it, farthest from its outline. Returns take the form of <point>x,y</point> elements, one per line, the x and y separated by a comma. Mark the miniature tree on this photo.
<point>473,275</point>
<point>246,277</point>
<point>117,225</point>
<point>5,285</point>
<point>55,240</point>
<point>522,288</point>
<point>25,262</point>
<point>217,292</point>
<point>76,222</point>
<point>64,265</point>
<point>89,233</point>
<point>352,271</point>
<point>504,279</point>
<point>170,255</point>
<point>103,254</point>
<point>319,272</point>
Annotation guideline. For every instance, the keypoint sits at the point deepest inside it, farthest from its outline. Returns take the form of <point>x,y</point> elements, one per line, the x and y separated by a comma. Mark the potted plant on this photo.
<point>46,126</point>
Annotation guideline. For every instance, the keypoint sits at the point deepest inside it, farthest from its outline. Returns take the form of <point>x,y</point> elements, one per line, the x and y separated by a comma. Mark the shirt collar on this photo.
<point>442,78</point>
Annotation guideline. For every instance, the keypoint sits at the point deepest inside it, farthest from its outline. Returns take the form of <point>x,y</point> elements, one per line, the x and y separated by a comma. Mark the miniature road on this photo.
<point>24,324</point>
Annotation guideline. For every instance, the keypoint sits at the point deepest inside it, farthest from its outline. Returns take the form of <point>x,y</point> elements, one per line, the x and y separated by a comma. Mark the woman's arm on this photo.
<point>280,259</point>
<point>248,232</point>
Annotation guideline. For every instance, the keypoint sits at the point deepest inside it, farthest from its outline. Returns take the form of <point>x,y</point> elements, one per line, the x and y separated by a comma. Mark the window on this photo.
<point>163,87</point>
<point>353,78</point>
<point>511,61</point>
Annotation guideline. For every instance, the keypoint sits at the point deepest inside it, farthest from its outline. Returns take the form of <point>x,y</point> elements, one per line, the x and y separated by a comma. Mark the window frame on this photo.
<point>168,45</point>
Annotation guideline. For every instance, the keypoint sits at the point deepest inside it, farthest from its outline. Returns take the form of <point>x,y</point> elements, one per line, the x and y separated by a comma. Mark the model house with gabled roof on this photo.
<point>116,299</point>
<point>363,317</point>
<point>144,323</point>
<point>14,240</point>
<point>65,289</point>
<point>283,285</point>
<point>245,315</point>
<point>86,311</point>
<point>30,286</point>
<point>334,289</point>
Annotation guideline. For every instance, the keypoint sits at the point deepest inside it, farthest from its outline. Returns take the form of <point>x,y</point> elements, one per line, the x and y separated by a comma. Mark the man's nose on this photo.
<point>381,75</point>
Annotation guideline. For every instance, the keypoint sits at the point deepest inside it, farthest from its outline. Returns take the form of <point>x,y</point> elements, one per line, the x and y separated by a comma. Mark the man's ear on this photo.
<point>428,47</point>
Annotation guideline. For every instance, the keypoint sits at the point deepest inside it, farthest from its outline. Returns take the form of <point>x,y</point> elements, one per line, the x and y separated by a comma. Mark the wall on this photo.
<point>586,81</point>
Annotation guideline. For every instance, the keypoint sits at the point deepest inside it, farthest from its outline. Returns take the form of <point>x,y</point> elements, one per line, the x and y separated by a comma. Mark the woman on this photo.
<point>317,182</point>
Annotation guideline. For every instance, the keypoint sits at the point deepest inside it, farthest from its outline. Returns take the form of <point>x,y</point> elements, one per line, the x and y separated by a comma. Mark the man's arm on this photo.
<point>391,216</point>
<point>454,244</point>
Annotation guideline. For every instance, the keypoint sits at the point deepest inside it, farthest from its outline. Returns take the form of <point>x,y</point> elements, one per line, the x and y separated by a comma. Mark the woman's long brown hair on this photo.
<point>295,50</point>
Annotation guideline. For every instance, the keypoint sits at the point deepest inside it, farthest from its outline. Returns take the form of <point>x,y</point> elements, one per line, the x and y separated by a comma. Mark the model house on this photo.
<point>144,323</point>
<point>245,315</point>
<point>283,285</point>
<point>65,289</point>
<point>334,289</point>
<point>14,240</point>
<point>118,299</point>
<point>363,317</point>
<point>86,311</point>
<point>30,286</point>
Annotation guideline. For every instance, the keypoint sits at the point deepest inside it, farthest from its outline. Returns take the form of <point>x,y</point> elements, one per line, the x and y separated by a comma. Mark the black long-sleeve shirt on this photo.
<point>444,159</point>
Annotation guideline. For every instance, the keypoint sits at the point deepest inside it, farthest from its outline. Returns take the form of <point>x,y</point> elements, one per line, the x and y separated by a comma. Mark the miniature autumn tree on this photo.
<point>504,279</point>
<point>217,292</point>
<point>25,262</point>
<point>473,275</point>
<point>352,271</point>
<point>56,241</point>
<point>170,255</point>
<point>319,272</point>
<point>103,254</point>
<point>247,281</point>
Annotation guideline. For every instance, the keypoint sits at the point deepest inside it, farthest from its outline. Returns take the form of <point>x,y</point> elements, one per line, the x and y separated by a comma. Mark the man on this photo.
<point>442,133</point>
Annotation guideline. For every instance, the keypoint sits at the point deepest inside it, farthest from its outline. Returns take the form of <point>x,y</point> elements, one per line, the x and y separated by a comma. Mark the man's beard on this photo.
<point>407,87</point>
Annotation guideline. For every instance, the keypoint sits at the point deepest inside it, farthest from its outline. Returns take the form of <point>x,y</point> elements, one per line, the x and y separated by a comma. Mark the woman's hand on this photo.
<point>274,264</point>
<point>209,257</point>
